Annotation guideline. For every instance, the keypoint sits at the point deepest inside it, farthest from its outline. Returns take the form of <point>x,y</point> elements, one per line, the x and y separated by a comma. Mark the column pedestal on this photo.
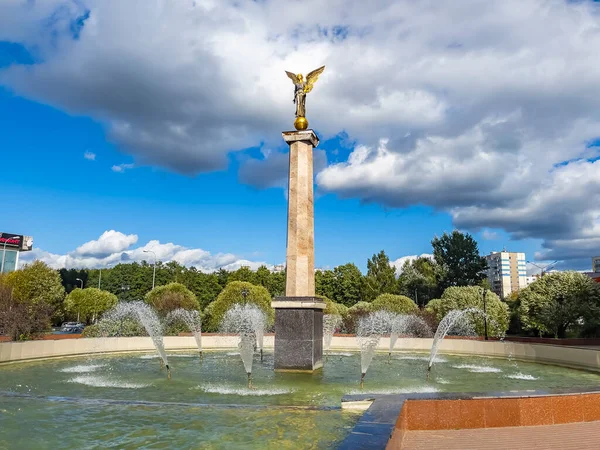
<point>298,334</point>
<point>299,315</point>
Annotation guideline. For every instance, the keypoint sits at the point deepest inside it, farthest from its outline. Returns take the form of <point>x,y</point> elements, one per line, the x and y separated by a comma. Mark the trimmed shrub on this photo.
<point>89,303</point>
<point>354,313</point>
<point>464,297</point>
<point>170,297</point>
<point>232,294</point>
<point>398,304</point>
<point>126,328</point>
<point>331,308</point>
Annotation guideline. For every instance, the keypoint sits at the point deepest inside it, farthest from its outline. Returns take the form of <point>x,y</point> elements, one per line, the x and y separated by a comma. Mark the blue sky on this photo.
<point>66,200</point>
<point>442,122</point>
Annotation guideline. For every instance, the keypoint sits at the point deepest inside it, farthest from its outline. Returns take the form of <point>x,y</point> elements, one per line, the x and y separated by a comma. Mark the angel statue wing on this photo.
<point>293,77</point>
<point>312,78</point>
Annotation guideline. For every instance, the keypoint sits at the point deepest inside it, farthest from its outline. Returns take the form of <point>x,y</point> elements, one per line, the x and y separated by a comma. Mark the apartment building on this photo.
<point>506,272</point>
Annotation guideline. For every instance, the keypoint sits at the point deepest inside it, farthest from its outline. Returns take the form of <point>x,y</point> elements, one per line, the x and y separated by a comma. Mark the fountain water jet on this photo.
<point>455,321</point>
<point>248,322</point>
<point>330,324</point>
<point>369,331</point>
<point>406,325</point>
<point>147,317</point>
<point>192,320</point>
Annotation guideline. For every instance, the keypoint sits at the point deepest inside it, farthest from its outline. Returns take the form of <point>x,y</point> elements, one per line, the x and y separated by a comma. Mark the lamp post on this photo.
<point>545,268</point>
<point>485,330</point>
<point>153,265</point>
<point>78,310</point>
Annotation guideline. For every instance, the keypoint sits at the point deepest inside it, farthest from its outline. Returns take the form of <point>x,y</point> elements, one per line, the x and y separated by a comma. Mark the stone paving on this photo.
<point>569,436</point>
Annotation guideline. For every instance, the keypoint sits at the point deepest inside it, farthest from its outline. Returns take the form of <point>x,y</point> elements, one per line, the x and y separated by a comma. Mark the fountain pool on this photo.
<point>125,400</point>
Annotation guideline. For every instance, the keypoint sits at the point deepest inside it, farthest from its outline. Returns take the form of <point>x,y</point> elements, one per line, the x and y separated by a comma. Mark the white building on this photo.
<point>596,264</point>
<point>506,272</point>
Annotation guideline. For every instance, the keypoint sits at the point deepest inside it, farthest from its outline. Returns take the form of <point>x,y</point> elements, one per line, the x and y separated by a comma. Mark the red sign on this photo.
<point>10,240</point>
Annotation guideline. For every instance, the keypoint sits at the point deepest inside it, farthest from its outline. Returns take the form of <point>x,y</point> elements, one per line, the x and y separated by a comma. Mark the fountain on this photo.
<point>369,331</point>
<point>259,324</point>
<point>406,325</point>
<point>330,324</point>
<point>248,321</point>
<point>144,314</point>
<point>456,321</point>
<point>192,320</point>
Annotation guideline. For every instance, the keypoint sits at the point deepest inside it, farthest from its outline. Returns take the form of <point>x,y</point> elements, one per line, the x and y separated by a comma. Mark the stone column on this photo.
<point>299,315</point>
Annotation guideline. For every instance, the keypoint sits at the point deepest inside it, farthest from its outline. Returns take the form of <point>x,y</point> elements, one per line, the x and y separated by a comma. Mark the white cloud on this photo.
<point>109,242</point>
<point>90,156</point>
<point>121,168</point>
<point>114,247</point>
<point>400,261</point>
<point>470,107</point>
<point>489,235</point>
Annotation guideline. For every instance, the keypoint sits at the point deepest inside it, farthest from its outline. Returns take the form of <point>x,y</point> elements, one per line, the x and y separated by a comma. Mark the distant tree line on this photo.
<point>456,262</point>
<point>557,305</point>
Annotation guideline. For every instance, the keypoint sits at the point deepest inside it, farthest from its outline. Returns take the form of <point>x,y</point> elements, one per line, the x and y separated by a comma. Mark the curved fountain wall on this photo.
<point>582,358</point>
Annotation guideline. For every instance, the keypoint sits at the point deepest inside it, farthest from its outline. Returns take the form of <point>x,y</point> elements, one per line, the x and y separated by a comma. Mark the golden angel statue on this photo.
<point>303,87</point>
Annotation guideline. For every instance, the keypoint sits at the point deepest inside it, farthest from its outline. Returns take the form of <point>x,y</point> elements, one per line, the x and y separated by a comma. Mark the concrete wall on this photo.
<point>560,355</point>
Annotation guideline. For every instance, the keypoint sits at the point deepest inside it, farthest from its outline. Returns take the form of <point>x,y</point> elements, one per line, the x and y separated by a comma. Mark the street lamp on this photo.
<point>485,330</point>
<point>153,265</point>
<point>100,276</point>
<point>3,254</point>
<point>545,268</point>
<point>79,279</point>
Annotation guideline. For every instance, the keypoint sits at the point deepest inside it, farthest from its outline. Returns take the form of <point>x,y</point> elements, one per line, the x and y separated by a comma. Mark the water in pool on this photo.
<point>126,401</point>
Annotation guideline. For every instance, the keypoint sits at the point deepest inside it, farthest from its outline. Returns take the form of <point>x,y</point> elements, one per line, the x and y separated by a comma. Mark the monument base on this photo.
<point>298,334</point>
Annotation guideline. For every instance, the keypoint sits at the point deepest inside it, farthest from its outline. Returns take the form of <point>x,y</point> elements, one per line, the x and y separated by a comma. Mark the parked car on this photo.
<point>71,328</point>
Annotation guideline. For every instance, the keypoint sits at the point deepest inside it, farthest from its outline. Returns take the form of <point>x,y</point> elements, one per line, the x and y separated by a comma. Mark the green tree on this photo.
<point>465,297</point>
<point>171,296</point>
<point>70,278</point>
<point>381,276</point>
<point>223,276</point>
<point>262,277</point>
<point>419,279</point>
<point>398,304</point>
<point>20,320</point>
<point>87,304</point>
<point>276,285</point>
<point>240,292</point>
<point>558,302</point>
<point>325,283</point>
<point>36,283</point>
<point>205,286</point>
<point>242,274</point>
<point>348,284</point>
<point>458,256</point>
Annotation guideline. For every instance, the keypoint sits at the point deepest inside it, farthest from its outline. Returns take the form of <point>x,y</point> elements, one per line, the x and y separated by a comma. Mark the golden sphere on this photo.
<point>301,123</point>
